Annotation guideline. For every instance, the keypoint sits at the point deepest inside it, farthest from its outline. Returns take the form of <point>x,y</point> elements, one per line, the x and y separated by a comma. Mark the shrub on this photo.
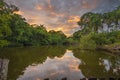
<point>86,42</point>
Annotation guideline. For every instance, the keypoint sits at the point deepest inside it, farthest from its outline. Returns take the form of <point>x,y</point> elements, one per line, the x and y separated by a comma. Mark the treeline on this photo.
<point>98,29</point>
<point>15,31</point>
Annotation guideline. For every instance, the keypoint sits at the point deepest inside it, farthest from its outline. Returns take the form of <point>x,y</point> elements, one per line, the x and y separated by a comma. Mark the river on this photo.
<point>57,62</point>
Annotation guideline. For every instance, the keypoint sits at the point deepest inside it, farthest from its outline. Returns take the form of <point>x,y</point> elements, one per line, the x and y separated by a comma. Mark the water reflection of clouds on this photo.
<point>109,66</point>
<point>106,63</point>
<point>55,69</point>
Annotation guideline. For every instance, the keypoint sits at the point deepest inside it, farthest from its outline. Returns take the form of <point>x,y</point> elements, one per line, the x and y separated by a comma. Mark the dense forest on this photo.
<point>96,29</point>
<point>99,29</point>
<point>15,31</point>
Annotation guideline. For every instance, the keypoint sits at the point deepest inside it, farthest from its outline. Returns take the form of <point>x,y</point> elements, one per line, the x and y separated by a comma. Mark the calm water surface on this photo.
<point>55,63</point>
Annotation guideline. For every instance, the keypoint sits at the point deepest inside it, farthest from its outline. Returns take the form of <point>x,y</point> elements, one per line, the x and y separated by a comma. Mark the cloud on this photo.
<point>19,12</point>
<point>73,19</point>
<point>38,7</point>
<point>61,14</point>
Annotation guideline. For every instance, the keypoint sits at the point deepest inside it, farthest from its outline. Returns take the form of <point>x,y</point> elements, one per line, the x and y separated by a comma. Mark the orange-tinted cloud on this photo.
<point>74,19</point>
<point>38,7</point>
<point>19,12</point>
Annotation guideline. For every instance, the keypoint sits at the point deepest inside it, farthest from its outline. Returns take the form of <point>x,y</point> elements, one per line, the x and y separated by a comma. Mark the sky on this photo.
<point>61,14</point>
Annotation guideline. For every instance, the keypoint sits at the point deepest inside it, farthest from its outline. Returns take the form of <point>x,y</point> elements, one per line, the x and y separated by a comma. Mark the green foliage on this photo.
<point>4,43</point>
<point>39,35</point>
<point>106,37</point>
<point>92,40</point>
<point>7,9</point>
<point>1,4</point>
<point>86,42</point>
<point>5,30</point>
<point>15,31</point>
<point>93,21</point>
<point>71,41</point>
<point>56,37</point>
<point>77,35</point>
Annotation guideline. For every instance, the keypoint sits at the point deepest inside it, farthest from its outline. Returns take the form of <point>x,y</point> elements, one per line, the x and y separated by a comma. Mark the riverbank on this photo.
<point>113,48</point>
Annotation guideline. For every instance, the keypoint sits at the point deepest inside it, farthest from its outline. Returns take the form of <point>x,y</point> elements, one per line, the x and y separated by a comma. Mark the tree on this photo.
<point>56,37</point>
<point>5,30</point>
<point>40,35</point>
<point>91,21</point>
<point>86,42</point>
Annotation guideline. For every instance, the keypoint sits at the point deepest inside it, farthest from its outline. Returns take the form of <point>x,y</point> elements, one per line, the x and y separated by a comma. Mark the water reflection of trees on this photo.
<point>98,61</point>
<point>57,68</point>
<point>20,58</point>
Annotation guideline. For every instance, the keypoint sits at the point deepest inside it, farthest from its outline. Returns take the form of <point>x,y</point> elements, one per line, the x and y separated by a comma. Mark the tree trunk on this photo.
<point>3,69</point>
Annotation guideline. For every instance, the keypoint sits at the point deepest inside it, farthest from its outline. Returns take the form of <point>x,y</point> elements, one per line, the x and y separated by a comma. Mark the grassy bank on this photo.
<point>112,48</point>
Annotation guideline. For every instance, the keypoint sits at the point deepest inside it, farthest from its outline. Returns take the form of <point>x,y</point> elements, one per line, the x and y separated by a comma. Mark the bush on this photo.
<point>86,42</point>
<point>3,43</point>
<point>106,37</point>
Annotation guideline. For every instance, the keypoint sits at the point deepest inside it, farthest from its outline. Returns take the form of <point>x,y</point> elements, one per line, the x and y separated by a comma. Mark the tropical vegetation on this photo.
<point>15,31</point>
<point>96,30</point>
<point>99,29</point>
